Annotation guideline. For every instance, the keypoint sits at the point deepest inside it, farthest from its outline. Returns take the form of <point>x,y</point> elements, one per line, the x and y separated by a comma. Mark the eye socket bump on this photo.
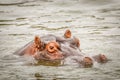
<point>52,47</point>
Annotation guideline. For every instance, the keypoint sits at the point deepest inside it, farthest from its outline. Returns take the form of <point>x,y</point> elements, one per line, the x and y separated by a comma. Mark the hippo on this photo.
<point>65,49</point>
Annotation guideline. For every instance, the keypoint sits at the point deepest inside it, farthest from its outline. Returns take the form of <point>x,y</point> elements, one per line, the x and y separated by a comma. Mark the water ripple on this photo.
<point>15,3</point>
<point>46,28</point>
<point>95,22</point>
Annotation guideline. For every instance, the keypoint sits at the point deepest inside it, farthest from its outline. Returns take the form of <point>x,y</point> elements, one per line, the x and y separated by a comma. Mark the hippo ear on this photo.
<point>77,41</point>
<point>37,40</point>
<point>67,34</point>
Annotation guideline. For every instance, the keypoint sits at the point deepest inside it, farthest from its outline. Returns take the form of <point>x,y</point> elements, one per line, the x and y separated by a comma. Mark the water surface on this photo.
<point>95,22</point>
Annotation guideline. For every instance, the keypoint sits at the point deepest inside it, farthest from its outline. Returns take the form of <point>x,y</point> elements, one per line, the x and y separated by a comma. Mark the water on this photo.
<point>95,22</point>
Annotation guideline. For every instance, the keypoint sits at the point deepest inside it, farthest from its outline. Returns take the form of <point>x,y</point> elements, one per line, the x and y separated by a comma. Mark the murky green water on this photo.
<point>95,22</point>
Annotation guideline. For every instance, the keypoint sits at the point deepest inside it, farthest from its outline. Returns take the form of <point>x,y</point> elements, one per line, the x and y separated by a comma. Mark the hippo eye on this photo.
<point>51,47</point>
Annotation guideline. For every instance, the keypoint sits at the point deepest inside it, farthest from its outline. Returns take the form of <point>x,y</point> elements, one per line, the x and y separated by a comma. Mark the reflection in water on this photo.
<point>49,29</point>
<point>38,76</point>
<point>13,2</point>
<point>95,22</point>
<point>49,63</point>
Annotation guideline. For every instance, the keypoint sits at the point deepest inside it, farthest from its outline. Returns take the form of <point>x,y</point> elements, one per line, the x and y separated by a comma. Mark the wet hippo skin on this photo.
<point>65,48</point>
